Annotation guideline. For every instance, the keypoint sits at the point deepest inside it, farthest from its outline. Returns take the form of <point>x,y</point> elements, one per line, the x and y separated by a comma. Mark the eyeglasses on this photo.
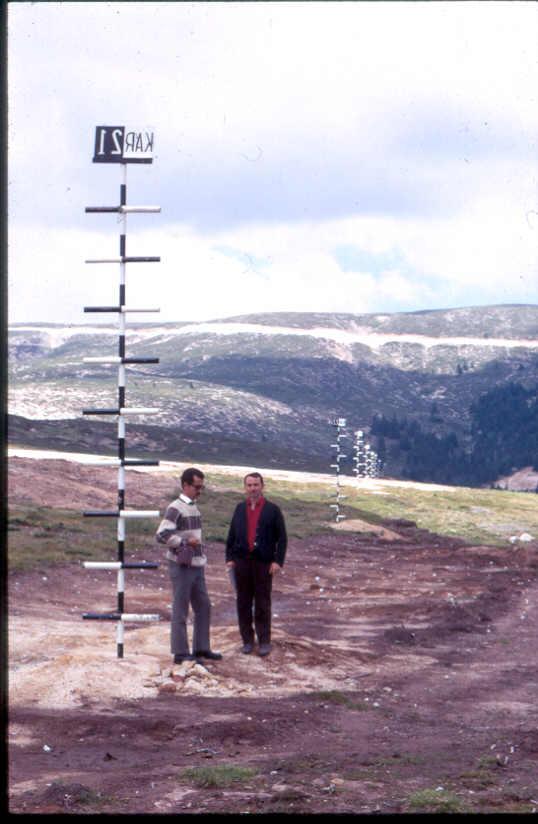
<point>198,486</point>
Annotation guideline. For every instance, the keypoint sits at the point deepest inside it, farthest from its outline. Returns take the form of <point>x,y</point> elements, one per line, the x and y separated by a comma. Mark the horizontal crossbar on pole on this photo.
<point>119,616</point>
<point>134,462</point>
<point>102,308</point>
<point>133,410</point>
<point>128,464</point>
<point>132,209</point>
<point>101,513</point>
<point>122,209</point>
<point>100,411</point>
<point>105,260</point>
<point>120,565</point>
<point>117,359</point>
<point>125,309</point>
<point>140,410</point>
<point>121,309</point>
<point>126,259</point>
<point>139,513</point>
<point>121,513</point>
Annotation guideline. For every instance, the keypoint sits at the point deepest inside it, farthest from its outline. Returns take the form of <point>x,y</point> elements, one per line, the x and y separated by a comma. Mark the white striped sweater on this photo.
<point>182,520</point>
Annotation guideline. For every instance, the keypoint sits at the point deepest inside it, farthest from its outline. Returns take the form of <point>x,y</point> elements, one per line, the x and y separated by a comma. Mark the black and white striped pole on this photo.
<point>340,432</point>
<point>117,144</point>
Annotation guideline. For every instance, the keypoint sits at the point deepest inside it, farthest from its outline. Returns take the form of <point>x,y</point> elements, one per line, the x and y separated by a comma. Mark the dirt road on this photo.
<point>403,677</point>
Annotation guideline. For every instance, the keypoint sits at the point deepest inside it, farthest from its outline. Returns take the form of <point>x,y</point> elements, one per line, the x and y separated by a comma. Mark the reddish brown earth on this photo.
<point>397,666</point>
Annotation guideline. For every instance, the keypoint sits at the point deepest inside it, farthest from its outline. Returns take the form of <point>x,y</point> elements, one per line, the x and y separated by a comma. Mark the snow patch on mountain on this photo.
<point>57,336</point>
<point>372,339</point>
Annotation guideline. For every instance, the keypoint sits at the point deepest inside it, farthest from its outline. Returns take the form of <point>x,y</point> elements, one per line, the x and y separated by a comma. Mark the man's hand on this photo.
<point>194,542</point>
<point>274,568</point>
<point>230,564</point>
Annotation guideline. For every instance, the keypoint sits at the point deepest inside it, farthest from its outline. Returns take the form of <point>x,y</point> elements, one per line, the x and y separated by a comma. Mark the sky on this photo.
<point>308,157</point>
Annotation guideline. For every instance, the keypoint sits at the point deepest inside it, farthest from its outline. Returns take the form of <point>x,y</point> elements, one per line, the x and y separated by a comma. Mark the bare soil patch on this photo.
<point>401,663</point>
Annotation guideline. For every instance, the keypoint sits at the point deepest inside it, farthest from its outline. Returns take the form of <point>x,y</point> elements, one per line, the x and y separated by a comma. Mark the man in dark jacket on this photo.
<point>255,550</point>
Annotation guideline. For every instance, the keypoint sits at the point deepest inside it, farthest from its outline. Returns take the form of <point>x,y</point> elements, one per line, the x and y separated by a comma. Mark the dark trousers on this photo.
<point>253,582</point>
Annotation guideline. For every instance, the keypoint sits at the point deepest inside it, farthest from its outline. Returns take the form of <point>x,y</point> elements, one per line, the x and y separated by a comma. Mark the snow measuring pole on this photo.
<point>122,145</point>
<point>340,426</point>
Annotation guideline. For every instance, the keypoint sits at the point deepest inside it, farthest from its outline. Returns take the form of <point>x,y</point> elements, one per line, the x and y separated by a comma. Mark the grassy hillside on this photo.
<point>487,517</point>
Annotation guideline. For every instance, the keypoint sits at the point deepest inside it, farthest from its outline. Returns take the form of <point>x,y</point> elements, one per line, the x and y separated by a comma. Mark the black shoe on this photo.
<point>212,656</point>
<point>246,649</point>
<point>264,650</point>
<point>178,659</point>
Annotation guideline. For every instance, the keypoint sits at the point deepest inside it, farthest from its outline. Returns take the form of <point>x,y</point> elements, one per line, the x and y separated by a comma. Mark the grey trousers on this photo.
<point>189,588</point>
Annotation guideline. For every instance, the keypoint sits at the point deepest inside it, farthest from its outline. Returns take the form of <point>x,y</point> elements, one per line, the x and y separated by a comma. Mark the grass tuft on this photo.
<point>436,801</point>
<point>338,697</point>
<point>221,775</point>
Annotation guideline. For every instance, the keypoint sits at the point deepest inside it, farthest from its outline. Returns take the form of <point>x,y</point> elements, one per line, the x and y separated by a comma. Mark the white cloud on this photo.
<point>283,131</point>
<point>483,254</point>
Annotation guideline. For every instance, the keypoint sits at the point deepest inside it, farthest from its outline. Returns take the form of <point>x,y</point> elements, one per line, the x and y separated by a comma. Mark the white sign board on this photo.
<point>123,144</point>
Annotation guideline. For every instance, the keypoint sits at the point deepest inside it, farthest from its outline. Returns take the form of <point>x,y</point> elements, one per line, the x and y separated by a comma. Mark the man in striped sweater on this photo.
<point>181,532</point>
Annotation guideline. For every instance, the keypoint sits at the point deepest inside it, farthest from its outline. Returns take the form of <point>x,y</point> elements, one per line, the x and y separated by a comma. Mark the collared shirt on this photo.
<point>253,516</point>
<point>186,499</point>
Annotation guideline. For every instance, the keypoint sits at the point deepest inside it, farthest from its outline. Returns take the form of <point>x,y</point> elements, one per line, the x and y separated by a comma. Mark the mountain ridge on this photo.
<point>511,320</point>
<point>279,386</point>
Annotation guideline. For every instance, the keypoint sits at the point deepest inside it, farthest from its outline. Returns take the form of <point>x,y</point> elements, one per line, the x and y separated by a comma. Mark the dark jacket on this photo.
<point>271,539</point>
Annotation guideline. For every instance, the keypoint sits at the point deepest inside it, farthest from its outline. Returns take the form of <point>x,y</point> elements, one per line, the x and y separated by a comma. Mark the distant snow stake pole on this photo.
<point>118,144</point>
<point>360,454</point>
<point>372,462</point>
<point>340,426</point>
<point>366,460</point>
